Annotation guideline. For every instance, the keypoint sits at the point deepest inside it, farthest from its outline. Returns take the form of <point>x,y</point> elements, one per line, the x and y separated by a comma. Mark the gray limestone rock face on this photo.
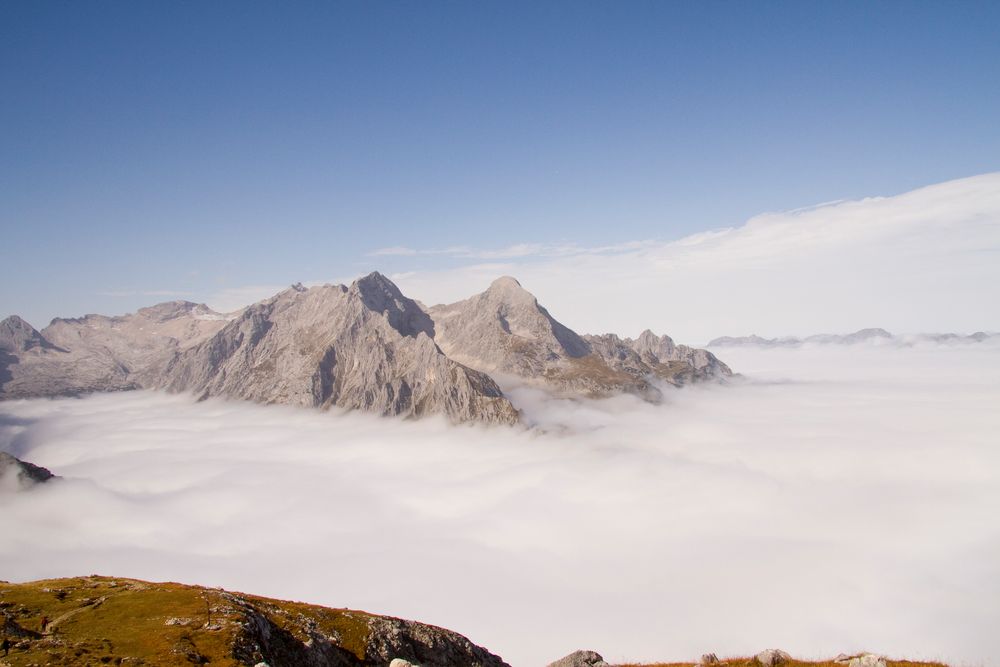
<point>580,659</point>
<point>361,347</point>
<point>18,475</point>
<point>657,356</point>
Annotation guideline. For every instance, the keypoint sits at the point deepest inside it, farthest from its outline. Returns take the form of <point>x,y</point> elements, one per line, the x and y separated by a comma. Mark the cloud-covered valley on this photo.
<point>834,499</point>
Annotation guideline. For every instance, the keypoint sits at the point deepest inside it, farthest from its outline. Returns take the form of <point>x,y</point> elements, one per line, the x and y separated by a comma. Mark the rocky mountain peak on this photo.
<point>506,285</point>
<point>649,344</point>
<point>381,295</point>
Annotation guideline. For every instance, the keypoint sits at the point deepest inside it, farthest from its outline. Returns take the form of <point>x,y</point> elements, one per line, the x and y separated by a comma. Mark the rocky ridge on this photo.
<point>365,346</point>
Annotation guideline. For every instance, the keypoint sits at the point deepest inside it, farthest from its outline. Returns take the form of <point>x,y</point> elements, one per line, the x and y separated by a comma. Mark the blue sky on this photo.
<point>175,150</point>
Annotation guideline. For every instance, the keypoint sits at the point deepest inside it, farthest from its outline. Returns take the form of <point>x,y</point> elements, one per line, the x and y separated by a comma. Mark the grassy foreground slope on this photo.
<point>113,621</point>
<point>102,620</point>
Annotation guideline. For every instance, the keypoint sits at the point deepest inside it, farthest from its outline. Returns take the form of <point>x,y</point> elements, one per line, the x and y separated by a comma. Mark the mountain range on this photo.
<point>871,336</point>
<point>365,346</point>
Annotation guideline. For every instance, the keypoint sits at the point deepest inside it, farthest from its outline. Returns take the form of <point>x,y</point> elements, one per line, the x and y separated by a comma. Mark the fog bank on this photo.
<point>837,499</point>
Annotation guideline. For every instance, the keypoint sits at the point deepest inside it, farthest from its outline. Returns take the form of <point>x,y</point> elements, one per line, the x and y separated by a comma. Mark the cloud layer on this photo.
<point>926,260</point>
<point>839,499</point>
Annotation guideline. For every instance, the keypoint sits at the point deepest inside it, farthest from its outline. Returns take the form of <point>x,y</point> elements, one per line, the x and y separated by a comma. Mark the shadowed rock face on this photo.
<point>366,347</point>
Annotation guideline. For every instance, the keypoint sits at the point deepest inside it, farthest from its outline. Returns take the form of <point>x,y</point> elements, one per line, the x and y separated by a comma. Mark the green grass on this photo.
<point>129,624</point>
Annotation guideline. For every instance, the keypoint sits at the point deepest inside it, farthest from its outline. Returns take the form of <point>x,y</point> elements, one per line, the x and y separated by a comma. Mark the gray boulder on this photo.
<point>867,660</point>
<point>771,657</point>
<point>581,659</point>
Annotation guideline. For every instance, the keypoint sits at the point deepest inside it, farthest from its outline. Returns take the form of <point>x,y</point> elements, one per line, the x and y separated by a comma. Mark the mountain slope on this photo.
<point>364,347</point>
<point>504,330</point>
<point>100,620</point>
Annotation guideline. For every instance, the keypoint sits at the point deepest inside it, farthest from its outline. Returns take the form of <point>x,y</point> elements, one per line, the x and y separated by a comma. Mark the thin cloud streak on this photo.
<point>838,499</point>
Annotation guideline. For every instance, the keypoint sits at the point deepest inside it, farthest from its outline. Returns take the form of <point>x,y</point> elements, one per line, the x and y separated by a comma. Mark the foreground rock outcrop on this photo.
<point>99,620</point>
<point>362,347</point>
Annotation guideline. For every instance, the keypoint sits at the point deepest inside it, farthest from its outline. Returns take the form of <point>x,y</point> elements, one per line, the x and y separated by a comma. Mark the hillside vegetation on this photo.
<point>102,620</point>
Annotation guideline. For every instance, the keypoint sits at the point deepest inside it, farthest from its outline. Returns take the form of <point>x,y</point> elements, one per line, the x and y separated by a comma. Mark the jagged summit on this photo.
<point>381,295</point>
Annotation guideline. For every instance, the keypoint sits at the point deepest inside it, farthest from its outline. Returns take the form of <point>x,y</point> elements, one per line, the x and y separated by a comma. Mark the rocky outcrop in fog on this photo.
<point>18,475</point>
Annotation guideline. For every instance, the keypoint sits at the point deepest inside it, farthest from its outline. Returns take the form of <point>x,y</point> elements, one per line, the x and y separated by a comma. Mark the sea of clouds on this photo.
<point>835,499</point>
